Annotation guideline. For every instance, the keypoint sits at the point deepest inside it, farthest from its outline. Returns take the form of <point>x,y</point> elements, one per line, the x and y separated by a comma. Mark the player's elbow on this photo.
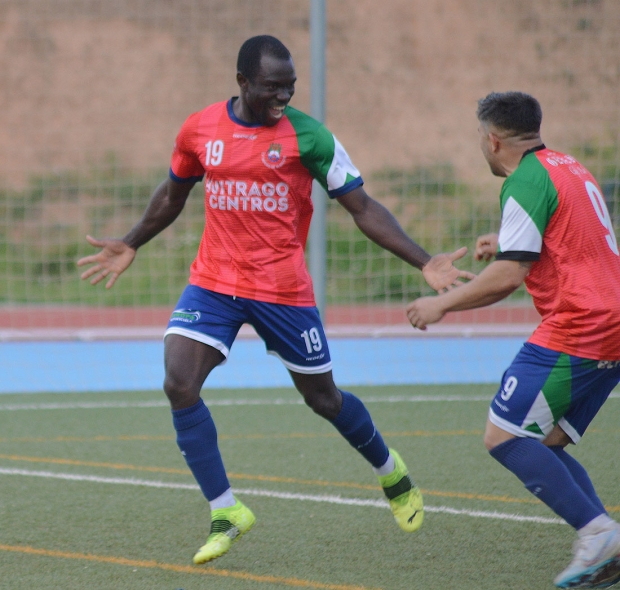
<point>510,285</point>
<point>509,275</point>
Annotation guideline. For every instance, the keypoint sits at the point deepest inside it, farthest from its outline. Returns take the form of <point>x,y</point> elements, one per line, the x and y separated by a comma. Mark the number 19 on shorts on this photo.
<point>312,338</point>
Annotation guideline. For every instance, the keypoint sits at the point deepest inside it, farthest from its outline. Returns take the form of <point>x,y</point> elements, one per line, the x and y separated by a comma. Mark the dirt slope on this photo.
<point>80,79</point>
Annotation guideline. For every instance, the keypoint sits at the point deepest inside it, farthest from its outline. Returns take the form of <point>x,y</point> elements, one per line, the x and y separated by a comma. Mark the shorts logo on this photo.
<point>185,315</point>
<point>273,157</point>
<point>318,357</point>
<point>607,364</point>
<point>502,407</point>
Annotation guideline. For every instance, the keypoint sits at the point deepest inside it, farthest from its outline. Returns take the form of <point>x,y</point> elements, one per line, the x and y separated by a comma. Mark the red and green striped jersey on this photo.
<point>258,183</point>
<point>554,213</point>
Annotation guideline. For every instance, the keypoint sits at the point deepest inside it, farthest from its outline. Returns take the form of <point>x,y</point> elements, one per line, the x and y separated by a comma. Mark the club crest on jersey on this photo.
<point>273,157</point>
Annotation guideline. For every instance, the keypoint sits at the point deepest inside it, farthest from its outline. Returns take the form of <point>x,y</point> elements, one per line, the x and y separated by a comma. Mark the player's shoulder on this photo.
<point>304,123</point>
<point>210,110</point>
<point>196,122</point>
<point>312,136</point>
<point>547,162</point>
<point>530,185</point>
<point>530,172</point>
<point>296,116</point>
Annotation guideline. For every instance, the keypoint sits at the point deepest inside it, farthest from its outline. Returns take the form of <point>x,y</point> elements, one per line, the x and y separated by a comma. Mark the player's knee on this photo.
<point>489,443</point>
<point>181,392</point>
<point>492,438</point>
<point>323,403</point>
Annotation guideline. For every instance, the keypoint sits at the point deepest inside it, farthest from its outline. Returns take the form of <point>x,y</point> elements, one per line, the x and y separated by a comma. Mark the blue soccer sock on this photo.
<point>580,475</point>
<point>546,476</point>
<point>356,425</point>
<point>197,439</point>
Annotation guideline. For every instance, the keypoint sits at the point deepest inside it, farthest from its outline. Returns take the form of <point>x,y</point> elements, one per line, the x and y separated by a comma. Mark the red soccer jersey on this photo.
<point>553,211</point>
<point>258,183</point>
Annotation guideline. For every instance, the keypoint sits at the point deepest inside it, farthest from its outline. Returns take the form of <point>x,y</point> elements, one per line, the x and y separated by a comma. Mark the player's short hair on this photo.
<point>251,52</point>
<point>515,112</point>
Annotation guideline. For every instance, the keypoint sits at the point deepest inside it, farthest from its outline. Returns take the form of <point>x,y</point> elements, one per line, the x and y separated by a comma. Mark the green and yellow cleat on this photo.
<point>228,525</point>
<point>404,496</point>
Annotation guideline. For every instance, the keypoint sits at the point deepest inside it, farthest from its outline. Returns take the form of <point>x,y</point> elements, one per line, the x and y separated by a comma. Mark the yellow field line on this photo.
<point>275,479</point>
<point>184,569</point>
<point>124,466</point>
<point>258,436</point>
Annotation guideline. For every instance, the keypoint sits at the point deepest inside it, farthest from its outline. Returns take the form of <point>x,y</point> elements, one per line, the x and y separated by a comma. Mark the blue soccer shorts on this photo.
<point>294,334</point>
<point>542,388</point>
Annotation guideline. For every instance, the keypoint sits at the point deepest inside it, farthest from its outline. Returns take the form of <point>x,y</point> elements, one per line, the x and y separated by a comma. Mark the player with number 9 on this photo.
<point>557,236</point>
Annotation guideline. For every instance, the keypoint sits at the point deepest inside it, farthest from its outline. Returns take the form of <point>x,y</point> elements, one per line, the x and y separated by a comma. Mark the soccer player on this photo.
<point>557,236</point>
<point>258,157</point>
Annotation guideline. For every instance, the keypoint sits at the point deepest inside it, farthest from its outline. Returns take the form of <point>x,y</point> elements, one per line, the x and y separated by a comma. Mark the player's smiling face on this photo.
<point>264,98</point>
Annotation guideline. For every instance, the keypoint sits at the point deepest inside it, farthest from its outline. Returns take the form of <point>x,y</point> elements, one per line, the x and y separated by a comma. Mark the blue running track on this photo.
<point>29,367</point>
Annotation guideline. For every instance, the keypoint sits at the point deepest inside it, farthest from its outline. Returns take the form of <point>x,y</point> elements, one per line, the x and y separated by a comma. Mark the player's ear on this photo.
<point>495,142</point>
<point>242,81</point>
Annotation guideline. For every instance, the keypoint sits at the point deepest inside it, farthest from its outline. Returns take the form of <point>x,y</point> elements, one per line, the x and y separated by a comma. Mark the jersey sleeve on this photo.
<point>323,155</point>
<point>185,166</point>
<point>342,176</point>
<point>527,208</point>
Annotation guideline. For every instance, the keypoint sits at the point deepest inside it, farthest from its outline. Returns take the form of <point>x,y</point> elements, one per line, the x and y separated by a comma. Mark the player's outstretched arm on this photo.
<point>379,225</point>
<point>494,283</point>
<point>116,255</point>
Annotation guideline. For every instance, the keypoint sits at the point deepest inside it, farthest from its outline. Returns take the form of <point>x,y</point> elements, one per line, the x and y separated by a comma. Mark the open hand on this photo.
<point>441,274</point>
<point>113,259</point>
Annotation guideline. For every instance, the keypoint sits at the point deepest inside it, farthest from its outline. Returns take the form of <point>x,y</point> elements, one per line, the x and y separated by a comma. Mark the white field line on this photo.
<point>280,495</point>
<point>292,401</point>
<point>404,330</point>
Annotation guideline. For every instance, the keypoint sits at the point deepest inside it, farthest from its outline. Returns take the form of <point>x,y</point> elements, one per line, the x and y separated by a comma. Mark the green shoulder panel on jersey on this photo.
<point>530,185</point>
<point>316,144</point>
